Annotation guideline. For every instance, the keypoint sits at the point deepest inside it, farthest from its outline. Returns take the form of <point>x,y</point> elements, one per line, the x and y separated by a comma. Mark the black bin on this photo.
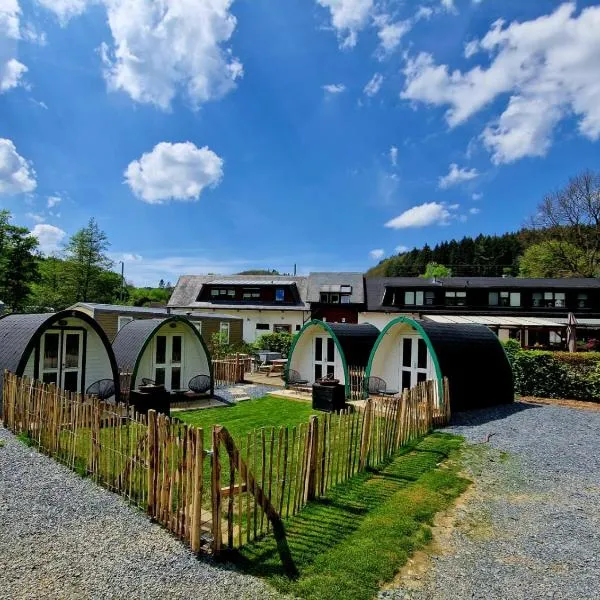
<point>151,397</point>
<point>329,398</point>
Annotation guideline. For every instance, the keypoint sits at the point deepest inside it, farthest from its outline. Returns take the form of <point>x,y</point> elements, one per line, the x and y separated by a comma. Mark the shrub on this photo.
<point>555,374</point>
<point>275,342</point>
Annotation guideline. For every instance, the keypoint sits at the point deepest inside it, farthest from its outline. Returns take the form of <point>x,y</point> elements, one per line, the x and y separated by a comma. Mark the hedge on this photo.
<point>575,376</point>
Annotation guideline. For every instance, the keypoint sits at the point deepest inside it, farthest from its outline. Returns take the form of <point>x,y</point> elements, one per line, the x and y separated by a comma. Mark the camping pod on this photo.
<point>168,352</point>
<point>67,348</point>
<point>322,349</point>
<point>409,351</point>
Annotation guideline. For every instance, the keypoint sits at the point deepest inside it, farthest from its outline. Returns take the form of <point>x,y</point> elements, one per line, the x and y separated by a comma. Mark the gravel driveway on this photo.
<point>530,528</point>
<point>61,536</point>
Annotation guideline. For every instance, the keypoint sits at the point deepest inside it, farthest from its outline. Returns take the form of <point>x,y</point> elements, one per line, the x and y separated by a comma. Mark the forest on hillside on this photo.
<point>562,240</point>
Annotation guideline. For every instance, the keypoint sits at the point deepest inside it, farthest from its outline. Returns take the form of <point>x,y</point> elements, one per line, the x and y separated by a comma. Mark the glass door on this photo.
<point>72,359</point>
<point>61,359</point>
<point>415,362</point>
<point>50,352</point>
<point>168,361</point>
<point>324,357</point>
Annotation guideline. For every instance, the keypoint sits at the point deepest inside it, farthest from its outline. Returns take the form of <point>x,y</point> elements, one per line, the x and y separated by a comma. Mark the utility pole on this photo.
<point>122,279</point>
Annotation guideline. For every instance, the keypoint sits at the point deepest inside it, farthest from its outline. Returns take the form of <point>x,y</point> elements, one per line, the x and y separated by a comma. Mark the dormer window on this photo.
<point>548,299</point>
<point>335,294</point>
<point>222,293</point>
<point>279,295</point>
<point>418,298</point>
<point>251,294</point>
<point>456,298</point>
<point>505,299</point>
<point>582,301</point>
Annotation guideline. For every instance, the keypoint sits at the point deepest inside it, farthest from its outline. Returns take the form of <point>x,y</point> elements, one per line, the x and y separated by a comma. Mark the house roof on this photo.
<point>188,289</point>
<point>376,286</point>
<point>329,282</point>
<point>159,312</point>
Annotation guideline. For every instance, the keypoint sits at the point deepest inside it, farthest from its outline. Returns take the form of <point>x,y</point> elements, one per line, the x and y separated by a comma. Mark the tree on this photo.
<point>546,259</point>
<point>48,292</point>
<point>161,284</point>
<point>571,217</point>
<point>86,260</point>
<point>434,270</point>
<point>18,264</point>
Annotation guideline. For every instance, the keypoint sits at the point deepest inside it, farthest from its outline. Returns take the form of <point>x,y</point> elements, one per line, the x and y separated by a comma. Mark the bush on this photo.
<point>275,342</point>
<point>555,374</point>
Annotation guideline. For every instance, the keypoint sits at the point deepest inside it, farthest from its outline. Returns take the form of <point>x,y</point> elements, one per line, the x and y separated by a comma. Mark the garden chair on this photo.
<point>103,389</point>
<point>294,379</point>
<point>378,387</point>
<point>199,384</point>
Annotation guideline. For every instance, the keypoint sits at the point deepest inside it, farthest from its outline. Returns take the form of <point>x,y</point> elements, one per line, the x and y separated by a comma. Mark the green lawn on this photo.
<point>249,415</point>
<point>355,539</point>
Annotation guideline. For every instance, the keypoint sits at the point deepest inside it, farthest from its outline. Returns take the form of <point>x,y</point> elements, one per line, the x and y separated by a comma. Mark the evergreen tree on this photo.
<point>18,265</point>
<point>86,260</point>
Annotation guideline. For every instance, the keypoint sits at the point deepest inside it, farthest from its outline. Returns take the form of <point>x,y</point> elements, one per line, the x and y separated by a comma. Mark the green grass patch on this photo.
<point>25,439</point>
<point>349,543</point>
<point>251,414</point>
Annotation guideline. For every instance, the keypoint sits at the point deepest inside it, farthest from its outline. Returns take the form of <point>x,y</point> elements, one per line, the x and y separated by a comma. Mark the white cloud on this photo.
<point>456,176</point>
<point>402,249</point>
<point>65,9</point>
<point>423,215</point>
<point>49,237</point>
<point>35,217</point>
<point>11,70</point>
<point>174,172</point>
<point>549,68</point>
<point>474,211</point>
<point>424,12</point>
<point>377,254</point>
<point>16,173</point>
<point>348,17</point>
<point>391,34</point>
<point>334,88</point>
<point>477,196</point>
<point>160,48</point>
<point>52,201</point>
<point>11,73</point>
<point>394,155</point>
<point>449,6</point>
<point>129,257</point>
<point>374,85</point>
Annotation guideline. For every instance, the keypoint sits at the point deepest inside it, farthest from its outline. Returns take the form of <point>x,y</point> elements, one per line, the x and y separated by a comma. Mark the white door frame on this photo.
<point>327,366</point>
<point>62,368</point>
<point>169,363</point>
<point>414,368</point>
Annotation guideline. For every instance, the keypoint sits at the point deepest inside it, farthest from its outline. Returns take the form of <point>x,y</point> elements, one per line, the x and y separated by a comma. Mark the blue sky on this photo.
<point>219,135</point>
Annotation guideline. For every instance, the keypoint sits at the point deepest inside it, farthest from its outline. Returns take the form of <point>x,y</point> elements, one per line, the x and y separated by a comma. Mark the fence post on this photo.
<point>152,462</point>
<point>366,435</point>
<point>313,432</point>
<point>216,490</point>
<point>198,462</point>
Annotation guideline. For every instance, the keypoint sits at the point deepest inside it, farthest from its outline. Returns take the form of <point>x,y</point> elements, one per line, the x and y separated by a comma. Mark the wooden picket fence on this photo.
<point>357,382</point>
<point>231,369</point>
<point>207,488</point>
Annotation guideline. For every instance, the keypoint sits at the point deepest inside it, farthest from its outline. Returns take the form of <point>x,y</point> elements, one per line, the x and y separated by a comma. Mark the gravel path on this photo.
<point>530,527</point>
<point>62,536</point>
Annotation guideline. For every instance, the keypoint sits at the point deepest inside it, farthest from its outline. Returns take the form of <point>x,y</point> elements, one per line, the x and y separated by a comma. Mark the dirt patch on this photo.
<point>580,404</point>
<point>412,574</point>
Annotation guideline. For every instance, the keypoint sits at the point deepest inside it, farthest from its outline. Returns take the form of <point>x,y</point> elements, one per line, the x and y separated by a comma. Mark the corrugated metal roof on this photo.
<point>494,321</point>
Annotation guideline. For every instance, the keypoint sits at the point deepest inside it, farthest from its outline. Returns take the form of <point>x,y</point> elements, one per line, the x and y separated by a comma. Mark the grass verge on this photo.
<point>356,538</point>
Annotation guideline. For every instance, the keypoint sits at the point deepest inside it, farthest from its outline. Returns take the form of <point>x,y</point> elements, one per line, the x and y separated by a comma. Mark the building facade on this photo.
<point>533,311</point>
<point>266,303</point>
